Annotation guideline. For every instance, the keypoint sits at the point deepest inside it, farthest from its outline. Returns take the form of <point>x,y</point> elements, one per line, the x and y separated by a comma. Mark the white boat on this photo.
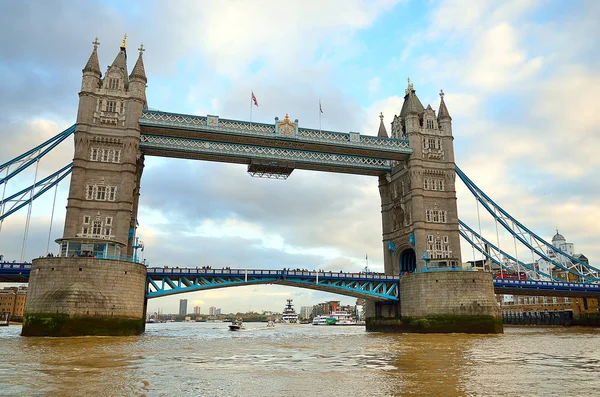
<point>338,317</point>
<point>270,324</point>
<point>342,317</point>
<point>289,315</point>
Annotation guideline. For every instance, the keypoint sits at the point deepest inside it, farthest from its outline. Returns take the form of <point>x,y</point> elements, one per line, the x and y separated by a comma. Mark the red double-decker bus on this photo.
<point>511,275</point>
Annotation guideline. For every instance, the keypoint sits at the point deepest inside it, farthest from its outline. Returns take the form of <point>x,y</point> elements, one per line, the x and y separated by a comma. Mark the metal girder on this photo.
<point>24,197</point>
<point>536,244</point>
<point>28,158</point>
<point>497,256</point>
<point>230,130</point>
<point>241,153</point>
<point>546,288</point>
<point>369,286</point>
<point>163,282</point>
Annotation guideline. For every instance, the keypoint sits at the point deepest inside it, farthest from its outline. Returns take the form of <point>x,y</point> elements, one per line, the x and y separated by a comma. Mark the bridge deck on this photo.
<point>213,139</point>
<point>374,286</point>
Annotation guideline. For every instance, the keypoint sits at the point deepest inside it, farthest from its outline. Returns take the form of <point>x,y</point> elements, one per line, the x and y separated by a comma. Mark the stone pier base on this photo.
<point>85,296</point>
<point>439,302</point>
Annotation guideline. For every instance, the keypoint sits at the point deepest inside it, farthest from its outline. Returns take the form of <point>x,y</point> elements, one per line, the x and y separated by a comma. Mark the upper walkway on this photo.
<point>234,141</point>
<point>163,281</point>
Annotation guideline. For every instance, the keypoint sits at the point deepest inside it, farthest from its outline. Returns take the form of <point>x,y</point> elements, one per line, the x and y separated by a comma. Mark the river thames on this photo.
<point>206,359</point>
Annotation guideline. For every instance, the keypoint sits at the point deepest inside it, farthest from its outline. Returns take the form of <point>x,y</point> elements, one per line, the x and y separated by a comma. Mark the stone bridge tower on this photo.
<point>107,165</point>
<point>420,232</point>
<point>93,287</point>
<point>418,198</point>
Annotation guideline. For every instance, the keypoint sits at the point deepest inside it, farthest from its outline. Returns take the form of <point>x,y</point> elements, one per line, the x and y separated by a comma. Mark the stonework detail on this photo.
<point>448,293</point>
<point>418,198</point>
<point>106,169</point>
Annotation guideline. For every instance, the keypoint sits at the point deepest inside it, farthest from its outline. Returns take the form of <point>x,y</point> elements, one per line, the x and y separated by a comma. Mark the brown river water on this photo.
<point>206,359</point>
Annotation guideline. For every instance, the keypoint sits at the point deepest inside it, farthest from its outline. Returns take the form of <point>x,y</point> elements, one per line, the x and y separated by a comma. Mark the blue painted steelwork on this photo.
<point>373,286</point>
<point>470,235</point>
<point>215,124</point>
<point>28,158</point>
<point>260,152</point>
<point>14,272</point>
<point>567,262</point>
<point>545,288</point>
<point>43,185</point>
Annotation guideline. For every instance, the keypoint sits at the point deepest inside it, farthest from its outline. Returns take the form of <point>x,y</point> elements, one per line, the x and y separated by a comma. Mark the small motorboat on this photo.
<point>236,325</point>
<point>270,324</point>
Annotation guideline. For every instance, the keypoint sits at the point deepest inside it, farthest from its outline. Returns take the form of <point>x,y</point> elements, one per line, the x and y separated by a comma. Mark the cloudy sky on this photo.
<point>521,79</point>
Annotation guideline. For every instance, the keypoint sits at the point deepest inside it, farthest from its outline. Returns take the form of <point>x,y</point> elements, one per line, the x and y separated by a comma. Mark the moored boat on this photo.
<point>289,315</point>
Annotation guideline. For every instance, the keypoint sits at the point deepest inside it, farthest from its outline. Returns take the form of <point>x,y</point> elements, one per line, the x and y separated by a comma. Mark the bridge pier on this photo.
<point>74,296</point>
<point>439,302</point>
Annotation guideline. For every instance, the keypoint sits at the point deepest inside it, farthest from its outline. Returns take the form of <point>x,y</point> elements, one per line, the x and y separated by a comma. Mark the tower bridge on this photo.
<point>95,285</point>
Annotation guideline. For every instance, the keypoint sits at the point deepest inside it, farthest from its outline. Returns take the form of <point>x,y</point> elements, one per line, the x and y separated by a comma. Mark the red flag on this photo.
<point>254,99</point>
<point>320,108</point>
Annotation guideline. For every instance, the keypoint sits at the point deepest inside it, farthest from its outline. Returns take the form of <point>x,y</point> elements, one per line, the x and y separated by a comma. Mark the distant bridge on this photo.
<point>163,281</point>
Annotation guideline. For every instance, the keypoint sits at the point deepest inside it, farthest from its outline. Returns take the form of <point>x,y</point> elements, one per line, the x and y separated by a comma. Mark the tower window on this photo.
<point>430,124</point>
<point>435,216</point>
<point>101,193</point>
<point>111,106</point>
<point>104,155</point>
<point>112,193</point>
<point>86,219</point>
<point>89,192</point>
<point>94,154</point>
<point>117,157</point>
<point>122,108</point>
<point>108,221</point>
<point>97,228</point>
<point>113,84</point>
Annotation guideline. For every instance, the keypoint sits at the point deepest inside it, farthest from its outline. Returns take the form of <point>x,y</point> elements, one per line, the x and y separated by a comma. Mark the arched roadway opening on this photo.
<point>408,260</point>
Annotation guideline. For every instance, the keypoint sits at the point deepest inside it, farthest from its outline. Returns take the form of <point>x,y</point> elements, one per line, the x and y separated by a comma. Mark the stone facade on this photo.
<point>448,293</point>
<point>107,164</point>
<point>418,198</point>
<point>85,296</point>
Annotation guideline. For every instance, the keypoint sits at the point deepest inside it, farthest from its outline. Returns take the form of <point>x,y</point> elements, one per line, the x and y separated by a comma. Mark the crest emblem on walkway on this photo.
<point>286,128</point>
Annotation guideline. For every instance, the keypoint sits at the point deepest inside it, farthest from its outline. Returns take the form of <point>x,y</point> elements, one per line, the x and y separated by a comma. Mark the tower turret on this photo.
<point>138,80</point>
<point>444,119</point>
<point>90,82</point>
<point>91,71</point>
<point>412,110</point>
<point>382,133</point>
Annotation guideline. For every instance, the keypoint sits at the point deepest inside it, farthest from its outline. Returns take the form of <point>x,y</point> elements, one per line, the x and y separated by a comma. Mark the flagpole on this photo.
<point>251,93</point>
<point>320,115</point>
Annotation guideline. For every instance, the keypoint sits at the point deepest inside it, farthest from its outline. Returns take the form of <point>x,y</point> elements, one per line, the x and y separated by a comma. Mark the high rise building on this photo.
<point>182,307</point>
<point>306,312</point>
<point>212,311</point>
<point>196,309</point>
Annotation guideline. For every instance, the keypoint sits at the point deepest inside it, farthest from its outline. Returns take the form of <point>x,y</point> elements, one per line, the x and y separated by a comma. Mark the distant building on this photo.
<point>306,312</point>
<point>516,307</point>
<point>218,312</point>
<point>182,307</point>
<point>196,309</point>
<point>12,300</point>
<point>212,311</point>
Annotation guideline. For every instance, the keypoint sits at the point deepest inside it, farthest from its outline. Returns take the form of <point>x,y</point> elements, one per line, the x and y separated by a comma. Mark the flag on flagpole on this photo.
<point>320,107</point>
<point>254,99</point>
<point>367,256</point>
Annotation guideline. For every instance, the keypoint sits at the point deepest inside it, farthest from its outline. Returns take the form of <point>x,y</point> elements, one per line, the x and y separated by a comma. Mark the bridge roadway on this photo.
<point>163,281</point>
